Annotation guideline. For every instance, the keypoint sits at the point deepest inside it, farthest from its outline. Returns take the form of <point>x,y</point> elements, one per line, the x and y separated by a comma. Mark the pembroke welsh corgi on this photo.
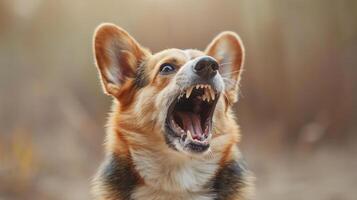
<point>171,133</point>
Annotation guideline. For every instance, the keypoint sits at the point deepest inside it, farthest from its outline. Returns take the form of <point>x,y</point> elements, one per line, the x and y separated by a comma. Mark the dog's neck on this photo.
<point>162,174</point>
<point>171,172</point>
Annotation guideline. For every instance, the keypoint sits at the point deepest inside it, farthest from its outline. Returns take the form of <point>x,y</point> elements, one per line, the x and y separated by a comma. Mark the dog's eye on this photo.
<point>166,68</point>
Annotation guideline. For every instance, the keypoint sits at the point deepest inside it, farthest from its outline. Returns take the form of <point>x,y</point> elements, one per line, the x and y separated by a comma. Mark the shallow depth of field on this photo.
<point>297,109</point>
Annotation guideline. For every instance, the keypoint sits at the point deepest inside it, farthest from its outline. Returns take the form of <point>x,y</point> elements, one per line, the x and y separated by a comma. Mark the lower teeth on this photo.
<point>187,136</point>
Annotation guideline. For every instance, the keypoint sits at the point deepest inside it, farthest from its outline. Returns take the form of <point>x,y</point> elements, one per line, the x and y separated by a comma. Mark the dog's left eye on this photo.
<point>166,69</point>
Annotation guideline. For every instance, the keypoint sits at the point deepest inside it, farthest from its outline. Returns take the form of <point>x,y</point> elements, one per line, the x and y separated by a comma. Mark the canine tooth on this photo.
<point>188,92</point>
<point>208,97</point>
<point>197,86</point>
<point>189,136</point>
<point>211,93</point>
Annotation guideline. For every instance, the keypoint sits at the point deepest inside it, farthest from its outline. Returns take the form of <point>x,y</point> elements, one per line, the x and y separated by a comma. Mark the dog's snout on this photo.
<point>206,67</point>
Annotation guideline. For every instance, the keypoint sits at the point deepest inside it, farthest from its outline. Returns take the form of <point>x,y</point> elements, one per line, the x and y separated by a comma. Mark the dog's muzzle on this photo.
<point>189,121</point>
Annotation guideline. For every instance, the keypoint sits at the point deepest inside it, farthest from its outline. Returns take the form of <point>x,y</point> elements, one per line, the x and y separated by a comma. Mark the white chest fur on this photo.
<point>175,177</point>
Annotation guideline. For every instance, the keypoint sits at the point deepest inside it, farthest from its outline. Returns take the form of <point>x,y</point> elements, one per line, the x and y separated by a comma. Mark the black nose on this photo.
<point>206,67</point>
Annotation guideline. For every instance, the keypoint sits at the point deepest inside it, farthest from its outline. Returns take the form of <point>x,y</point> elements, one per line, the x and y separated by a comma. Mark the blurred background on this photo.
<point>297,111</point>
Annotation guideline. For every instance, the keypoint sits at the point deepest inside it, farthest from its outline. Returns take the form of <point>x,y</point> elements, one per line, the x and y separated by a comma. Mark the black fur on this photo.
<point>119,177</point>
<point>230,180</point>
<point>196,147</point>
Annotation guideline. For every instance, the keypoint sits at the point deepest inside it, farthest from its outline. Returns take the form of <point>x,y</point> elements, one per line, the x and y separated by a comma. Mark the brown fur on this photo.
<point>135,121</point>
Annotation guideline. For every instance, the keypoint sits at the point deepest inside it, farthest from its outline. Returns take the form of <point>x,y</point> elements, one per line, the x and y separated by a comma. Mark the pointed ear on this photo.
<point>227,48</point>
<point>117,56</point>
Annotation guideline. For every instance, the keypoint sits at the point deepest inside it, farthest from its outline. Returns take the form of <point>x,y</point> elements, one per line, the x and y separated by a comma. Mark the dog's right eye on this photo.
<point>167,68</point>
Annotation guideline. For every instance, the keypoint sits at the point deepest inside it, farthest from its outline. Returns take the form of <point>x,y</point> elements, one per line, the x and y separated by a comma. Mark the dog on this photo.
<point>171,133</point>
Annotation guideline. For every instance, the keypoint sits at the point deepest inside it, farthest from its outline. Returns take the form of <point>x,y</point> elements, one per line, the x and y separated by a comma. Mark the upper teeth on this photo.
<point>208,94</point>
<point>188,92</point>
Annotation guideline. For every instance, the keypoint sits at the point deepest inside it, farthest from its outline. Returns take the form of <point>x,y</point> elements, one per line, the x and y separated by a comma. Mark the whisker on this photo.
<point>232,72</point>
<point>229,82</point>
<point>227,63</point>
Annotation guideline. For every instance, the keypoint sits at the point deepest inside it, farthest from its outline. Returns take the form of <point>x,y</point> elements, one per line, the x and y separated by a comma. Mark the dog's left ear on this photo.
<point>227,48</point>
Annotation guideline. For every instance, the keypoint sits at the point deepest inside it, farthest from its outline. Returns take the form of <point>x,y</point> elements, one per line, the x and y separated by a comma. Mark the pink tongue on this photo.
<point>191,122</point>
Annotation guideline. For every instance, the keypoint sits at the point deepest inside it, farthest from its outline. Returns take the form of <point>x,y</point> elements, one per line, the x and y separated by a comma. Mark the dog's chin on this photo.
<point>188,125</point>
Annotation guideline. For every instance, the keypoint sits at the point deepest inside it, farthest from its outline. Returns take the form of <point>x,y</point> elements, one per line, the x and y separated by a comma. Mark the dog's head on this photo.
<point>180,98</point>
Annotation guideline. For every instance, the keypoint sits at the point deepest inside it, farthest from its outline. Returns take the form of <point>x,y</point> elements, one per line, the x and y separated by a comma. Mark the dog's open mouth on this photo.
<point>190,117</point>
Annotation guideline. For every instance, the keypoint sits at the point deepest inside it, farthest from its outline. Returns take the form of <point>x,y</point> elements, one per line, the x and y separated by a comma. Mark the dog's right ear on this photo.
<point>117,57</point>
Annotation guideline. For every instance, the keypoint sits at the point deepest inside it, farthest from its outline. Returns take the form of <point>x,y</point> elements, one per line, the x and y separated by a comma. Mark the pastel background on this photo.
<point>297,111</point>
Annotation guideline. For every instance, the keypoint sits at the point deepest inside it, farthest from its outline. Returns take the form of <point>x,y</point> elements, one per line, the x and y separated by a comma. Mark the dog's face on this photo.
<point>179,97</point>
